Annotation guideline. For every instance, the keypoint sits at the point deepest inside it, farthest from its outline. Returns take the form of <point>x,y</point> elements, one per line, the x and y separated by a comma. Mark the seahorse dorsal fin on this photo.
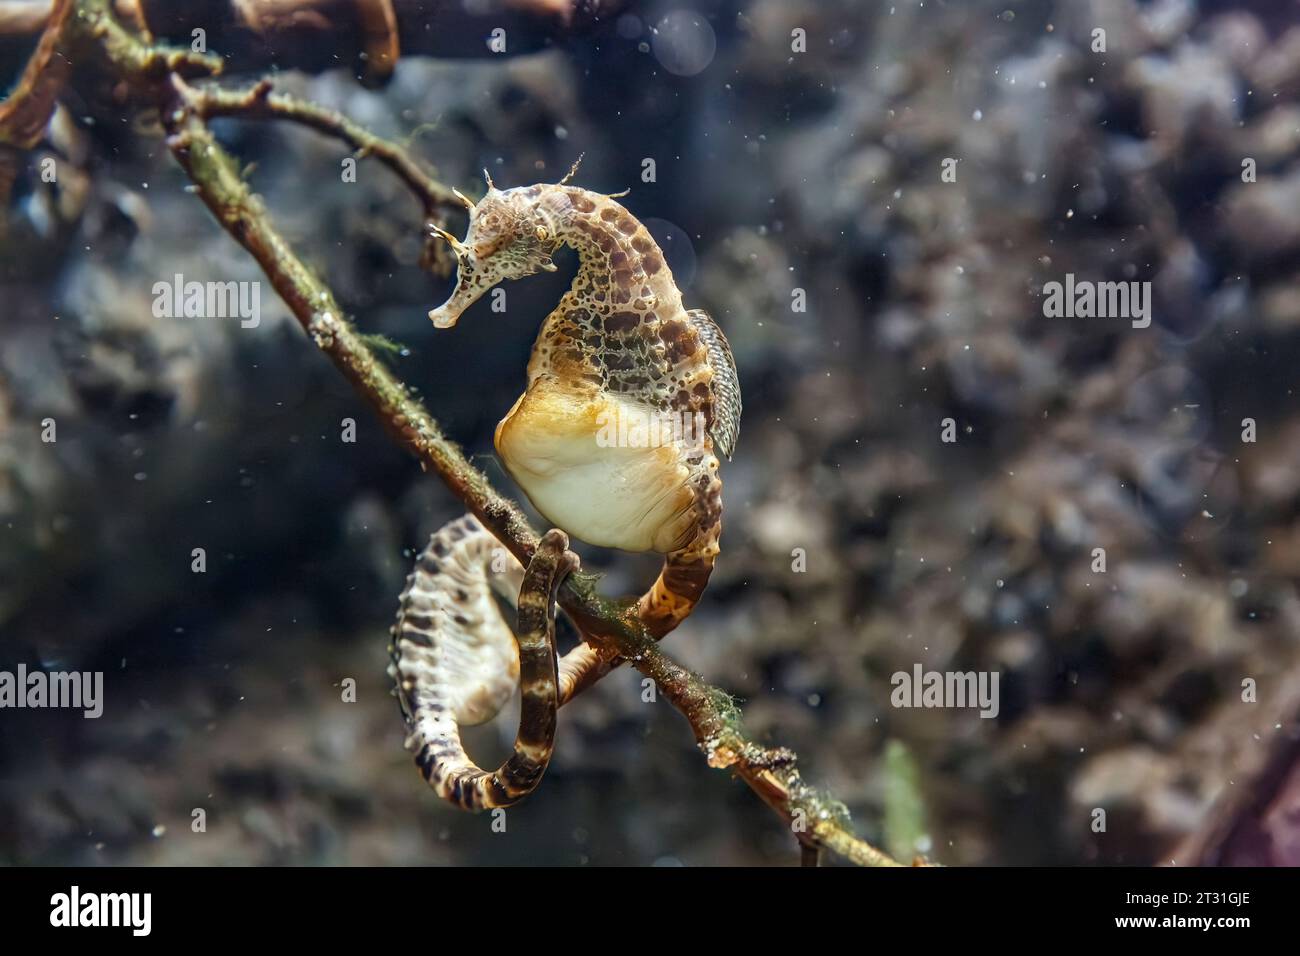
<point>726,383</point>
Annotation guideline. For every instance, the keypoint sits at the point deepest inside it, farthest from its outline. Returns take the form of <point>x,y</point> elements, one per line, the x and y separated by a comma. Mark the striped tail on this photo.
<point>685,574</point>
<point>455,660</point>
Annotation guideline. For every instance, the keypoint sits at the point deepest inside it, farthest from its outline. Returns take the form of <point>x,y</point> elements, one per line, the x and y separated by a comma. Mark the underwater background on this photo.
<point>871,292</point>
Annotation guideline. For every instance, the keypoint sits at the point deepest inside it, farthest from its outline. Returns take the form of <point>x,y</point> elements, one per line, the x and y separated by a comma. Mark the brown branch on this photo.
<point>26,112</point>
<point>816,820</point>
<point>259,103</point>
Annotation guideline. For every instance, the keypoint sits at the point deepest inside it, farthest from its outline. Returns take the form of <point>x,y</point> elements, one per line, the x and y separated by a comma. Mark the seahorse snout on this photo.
<point>466,293</point>
<point>443,318</point>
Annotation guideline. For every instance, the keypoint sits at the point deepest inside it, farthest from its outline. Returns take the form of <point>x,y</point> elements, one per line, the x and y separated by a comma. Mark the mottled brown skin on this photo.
<point>619,340</point>
<point>620,330</point>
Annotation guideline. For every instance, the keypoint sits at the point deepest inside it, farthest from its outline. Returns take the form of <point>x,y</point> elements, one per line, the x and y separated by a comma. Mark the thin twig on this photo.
<point>259,103</point>
<point>813,818</point>
<point>25,113</point>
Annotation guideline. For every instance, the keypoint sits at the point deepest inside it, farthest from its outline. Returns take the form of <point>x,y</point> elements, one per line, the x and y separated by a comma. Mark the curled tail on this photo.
<point>676,591</point>
<point>686,571</point>
<point>456,662</point>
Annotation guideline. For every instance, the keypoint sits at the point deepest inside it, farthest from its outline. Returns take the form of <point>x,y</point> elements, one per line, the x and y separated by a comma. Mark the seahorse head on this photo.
<point>509,236</point>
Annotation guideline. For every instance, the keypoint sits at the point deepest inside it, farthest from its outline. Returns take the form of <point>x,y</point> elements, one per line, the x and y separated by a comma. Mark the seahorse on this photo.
<point>630,400</point>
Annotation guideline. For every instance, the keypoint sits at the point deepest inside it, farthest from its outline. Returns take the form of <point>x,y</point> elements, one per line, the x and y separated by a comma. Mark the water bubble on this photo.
<point>684,43</point>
